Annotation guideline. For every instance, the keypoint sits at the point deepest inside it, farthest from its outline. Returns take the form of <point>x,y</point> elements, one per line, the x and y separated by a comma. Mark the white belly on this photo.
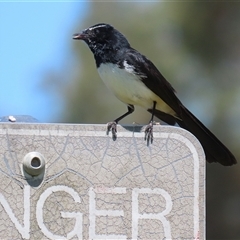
<point>128,89</point>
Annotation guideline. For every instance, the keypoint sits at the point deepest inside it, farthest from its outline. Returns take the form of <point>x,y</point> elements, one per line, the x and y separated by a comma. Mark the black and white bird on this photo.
<point>135,80</point>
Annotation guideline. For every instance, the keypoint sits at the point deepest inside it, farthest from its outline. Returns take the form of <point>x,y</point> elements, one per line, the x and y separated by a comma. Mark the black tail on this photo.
<point>215,151</point>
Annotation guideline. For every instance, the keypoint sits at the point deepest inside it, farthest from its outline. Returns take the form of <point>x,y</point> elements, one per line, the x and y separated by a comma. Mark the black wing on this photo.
<point>153,79</point>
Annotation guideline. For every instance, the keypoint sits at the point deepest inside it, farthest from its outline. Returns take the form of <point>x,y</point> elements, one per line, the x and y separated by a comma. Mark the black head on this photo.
<point>102,37</point>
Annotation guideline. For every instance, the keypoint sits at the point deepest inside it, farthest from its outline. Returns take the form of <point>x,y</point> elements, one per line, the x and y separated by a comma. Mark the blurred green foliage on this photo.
<point>196,47</point>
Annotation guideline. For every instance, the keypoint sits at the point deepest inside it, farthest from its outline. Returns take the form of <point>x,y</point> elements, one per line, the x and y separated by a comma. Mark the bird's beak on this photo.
<point>80,36</point>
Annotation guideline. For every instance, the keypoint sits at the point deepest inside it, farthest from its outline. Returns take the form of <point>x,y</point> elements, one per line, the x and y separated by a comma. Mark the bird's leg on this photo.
<point>149,128</point>
<point>112,126</point>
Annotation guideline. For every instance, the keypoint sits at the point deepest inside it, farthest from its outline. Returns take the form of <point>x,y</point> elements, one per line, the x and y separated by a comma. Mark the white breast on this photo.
<point>127,87</point>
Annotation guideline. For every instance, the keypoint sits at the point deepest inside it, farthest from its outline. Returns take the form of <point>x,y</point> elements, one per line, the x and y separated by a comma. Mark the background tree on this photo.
<point>196,47</point>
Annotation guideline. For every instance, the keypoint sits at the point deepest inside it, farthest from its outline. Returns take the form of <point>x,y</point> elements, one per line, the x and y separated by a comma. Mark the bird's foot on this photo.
<point>112,126</point>
<point>149,133</point>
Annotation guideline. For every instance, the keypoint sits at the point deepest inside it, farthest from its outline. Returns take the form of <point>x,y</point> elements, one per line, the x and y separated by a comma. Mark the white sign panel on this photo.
<point>90,187</point>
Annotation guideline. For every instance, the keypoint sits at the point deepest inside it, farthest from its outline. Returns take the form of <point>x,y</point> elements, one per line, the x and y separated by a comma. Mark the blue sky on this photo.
<point>34,37</point>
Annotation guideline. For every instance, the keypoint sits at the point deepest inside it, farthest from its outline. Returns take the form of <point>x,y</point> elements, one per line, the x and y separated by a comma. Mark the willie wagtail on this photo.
<point>135,80</point>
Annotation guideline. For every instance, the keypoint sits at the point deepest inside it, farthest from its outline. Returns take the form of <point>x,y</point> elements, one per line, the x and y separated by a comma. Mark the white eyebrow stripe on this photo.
<point>91,28</point>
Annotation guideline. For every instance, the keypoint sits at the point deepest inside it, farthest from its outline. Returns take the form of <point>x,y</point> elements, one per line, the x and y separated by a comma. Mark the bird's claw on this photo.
<point>149,133</point>
<point>112,126</point>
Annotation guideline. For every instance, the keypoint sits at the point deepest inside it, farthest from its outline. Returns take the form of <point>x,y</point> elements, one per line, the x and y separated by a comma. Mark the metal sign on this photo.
<point>73,182</point>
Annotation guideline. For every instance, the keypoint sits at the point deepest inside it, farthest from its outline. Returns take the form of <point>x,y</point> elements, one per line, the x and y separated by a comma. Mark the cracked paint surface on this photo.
<point>92,184</point>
